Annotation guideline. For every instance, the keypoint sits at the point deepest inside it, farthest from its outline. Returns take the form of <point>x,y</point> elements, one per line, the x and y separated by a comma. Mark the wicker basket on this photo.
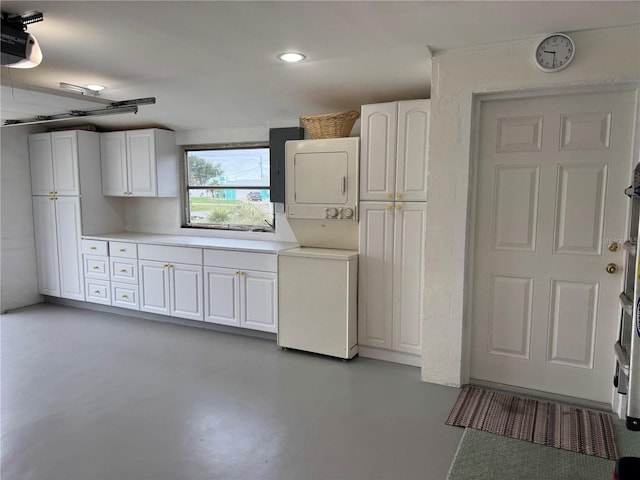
<point>330,125</point>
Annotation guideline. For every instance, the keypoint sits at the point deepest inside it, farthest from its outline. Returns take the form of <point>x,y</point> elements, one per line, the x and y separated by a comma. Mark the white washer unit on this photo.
<point>317,282</point>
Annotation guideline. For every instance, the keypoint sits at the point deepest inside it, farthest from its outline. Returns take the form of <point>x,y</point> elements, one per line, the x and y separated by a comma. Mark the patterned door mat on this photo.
<point>545,423</point>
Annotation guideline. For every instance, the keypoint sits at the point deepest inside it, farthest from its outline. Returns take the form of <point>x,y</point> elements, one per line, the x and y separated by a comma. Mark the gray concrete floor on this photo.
<point>91,395</point>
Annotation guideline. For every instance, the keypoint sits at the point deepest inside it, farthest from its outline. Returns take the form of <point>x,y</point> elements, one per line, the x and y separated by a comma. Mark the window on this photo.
<point>228,188</point>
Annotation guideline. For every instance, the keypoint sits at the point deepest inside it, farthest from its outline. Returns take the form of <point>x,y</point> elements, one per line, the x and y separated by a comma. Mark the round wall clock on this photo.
<point>554,52</point>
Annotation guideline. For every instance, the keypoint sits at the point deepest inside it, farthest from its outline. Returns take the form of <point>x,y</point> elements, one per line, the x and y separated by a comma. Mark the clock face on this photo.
<point>554,53</point>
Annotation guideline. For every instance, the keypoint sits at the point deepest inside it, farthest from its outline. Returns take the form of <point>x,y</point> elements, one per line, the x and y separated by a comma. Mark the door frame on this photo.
<point>477,101</point>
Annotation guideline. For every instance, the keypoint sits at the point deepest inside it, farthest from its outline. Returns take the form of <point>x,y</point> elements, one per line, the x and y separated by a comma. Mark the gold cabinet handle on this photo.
<point>166,265</point>
<point>122,250</point>
<point>241,273</point>
<point>124,296</point>
<point>398,195</point>
<point>50,193</point>
<point>398,207</point>
<point>388,207</point>
<point>96,292</point>
<point>92,248</point>
<point>51,198</point>
<point>389,195</point>
<point>95,267</point>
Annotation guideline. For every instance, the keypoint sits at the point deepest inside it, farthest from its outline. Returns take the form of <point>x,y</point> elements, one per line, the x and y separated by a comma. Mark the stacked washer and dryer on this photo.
<point>317,282</point>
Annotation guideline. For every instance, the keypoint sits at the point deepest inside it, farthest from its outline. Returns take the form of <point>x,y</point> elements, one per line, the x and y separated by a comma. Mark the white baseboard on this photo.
<point>389,356</point>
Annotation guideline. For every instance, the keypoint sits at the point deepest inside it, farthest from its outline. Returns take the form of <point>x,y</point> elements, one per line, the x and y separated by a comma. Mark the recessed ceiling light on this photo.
<point>95,87</point>
<point>291,57</point>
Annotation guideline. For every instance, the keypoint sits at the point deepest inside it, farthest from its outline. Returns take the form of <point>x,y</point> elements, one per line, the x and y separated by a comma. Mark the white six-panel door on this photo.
<point>551,175</point>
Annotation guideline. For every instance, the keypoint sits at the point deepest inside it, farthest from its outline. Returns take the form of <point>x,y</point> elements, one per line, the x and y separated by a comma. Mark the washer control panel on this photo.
<point>342,213</point>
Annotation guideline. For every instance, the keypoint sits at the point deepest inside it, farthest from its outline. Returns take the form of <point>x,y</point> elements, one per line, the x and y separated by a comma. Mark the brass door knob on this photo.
<point>611,268</point>
<point>613,246</point>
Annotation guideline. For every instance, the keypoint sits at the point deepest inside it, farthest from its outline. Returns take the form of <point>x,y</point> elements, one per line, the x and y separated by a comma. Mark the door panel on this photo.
<point>65,163</point>
<point>41,163</point>
<point>222,294</point>
<point>186,291</point>
<point>44,222</point>
<point>408,265</point>
<point>69,233</point>
<point>258,301</point>
<point>154,287</point>
<point>551,172</point>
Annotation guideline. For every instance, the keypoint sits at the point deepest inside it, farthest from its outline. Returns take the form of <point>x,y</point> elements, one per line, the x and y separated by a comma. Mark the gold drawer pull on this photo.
<point>95,267</point>
<point>97,292</point>
<point>123,250</point>
<point>92,248</point>
<point>123,270</point>
<point>124,296</point>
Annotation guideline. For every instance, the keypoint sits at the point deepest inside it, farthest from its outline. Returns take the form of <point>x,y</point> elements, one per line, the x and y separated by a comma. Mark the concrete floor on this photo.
<point>91,395</point>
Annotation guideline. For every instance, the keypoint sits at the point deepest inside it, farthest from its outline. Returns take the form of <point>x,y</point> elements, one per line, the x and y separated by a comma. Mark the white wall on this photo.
<point>18,278</point>
<point>606,56</point>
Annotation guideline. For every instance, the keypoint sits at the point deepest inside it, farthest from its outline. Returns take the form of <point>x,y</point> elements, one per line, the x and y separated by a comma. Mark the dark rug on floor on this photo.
<point>544,423</point>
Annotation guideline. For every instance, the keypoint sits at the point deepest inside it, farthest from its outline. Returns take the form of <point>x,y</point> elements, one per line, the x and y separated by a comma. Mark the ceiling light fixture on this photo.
<point>82,90</point>
<point>95,87</point>
<point>291,57</point>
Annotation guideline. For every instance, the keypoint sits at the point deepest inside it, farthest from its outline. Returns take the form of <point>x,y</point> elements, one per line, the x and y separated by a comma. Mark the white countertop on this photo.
<point>260,246</point>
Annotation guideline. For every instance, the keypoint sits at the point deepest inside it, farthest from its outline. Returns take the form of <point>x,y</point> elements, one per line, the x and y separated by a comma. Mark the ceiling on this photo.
<point>213,65</point>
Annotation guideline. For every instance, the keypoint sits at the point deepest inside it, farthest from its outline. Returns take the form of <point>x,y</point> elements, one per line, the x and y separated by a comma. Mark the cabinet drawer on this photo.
<point>124,295</point>
<point>123,249</point>
<point>163,253</point>
<point>97,291</point>
<point>96,267</point>
<point>124,270</point>
<point>265,262</point>
<point>94,247</point>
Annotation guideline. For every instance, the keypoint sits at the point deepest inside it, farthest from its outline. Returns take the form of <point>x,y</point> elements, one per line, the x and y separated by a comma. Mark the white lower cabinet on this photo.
<point>241,298</point>
<point>241,289</point>
<point>390,280</point>
<point>168,287</point>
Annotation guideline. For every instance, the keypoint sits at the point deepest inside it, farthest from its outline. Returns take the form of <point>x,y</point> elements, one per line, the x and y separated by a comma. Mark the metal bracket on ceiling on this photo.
<point>124,106</point>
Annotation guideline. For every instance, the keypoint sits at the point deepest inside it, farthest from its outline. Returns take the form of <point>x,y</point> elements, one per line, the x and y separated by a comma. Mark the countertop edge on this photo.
<point>231,244</point>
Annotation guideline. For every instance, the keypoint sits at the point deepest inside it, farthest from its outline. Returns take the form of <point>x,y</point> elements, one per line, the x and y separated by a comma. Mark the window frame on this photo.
<point>186,188</point>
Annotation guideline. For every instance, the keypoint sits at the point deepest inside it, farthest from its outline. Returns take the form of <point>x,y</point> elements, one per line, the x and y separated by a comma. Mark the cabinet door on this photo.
<point>154,287</point>
<point>70,247</point>
<point>378,151</point>
<point>113,161</point>
<point>64,148</point>
<point>222,296</point>
<point>375,282</point>
<point>186,291</point>
<point>141,156</point>
<point>408,274</point>
<point>41,164</point>
<point>413,150</point>
<point>44,221</point>
<point>258,294</point>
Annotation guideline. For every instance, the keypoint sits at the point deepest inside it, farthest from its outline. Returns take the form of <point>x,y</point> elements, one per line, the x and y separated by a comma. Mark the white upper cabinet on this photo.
<point>53,159</point>
<point>394,151</point>
<point>139,163</point>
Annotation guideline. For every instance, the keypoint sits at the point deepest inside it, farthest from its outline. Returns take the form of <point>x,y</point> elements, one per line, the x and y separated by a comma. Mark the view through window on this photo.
<point>229,188</point>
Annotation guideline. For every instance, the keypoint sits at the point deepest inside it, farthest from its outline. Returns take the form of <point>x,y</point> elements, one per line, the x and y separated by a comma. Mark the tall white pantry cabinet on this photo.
<point>65,179</point>
<point>393,193</point>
